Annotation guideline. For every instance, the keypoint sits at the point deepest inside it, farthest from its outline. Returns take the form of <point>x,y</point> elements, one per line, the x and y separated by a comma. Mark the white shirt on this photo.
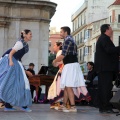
<point>18,46</point>
<point>59,53</point>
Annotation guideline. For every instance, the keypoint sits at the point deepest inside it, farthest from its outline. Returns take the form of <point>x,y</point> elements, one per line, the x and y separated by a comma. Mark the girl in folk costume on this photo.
<point>55,94</point>
<point>14,85</point>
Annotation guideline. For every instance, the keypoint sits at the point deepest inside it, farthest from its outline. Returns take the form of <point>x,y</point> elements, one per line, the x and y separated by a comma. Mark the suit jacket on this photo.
<point>106,55</point>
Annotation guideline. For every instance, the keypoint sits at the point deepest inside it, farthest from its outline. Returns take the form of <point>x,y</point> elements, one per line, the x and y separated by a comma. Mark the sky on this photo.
<point>64,11</point>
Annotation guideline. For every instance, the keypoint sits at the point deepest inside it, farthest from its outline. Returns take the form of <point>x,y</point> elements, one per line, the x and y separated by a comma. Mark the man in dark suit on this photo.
<point>106,65</point>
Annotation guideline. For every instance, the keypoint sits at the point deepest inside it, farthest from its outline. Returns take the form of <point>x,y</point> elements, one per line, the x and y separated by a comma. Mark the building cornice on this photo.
<point>79,29</point>
<point>80,45</point>
<point>8,19</point>
<point>43,5</point>
<point>4,24</point>
<point>114,6</point>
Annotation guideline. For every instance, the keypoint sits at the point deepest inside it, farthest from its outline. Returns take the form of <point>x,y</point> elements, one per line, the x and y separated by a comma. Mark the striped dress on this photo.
<point>14,85</point>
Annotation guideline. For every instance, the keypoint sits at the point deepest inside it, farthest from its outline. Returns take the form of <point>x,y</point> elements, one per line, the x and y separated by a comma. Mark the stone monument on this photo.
<point>17,15</point>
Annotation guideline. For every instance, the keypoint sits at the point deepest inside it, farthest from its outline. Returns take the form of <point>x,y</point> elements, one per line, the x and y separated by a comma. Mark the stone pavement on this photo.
<point>42,112</point>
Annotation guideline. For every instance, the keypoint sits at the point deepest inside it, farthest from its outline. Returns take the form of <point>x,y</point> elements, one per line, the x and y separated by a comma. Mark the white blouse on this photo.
<point>18,46</point>
<point>59,53</point>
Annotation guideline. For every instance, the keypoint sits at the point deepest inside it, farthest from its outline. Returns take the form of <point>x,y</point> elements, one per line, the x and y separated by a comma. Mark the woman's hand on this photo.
<point>11,63</point>
<point>54,63</point>
<point>61,62</point>
<point>60,70</point>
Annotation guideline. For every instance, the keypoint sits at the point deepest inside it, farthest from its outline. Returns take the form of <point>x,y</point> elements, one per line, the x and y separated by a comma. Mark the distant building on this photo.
<point>54,37</point>
<point>86,26</point>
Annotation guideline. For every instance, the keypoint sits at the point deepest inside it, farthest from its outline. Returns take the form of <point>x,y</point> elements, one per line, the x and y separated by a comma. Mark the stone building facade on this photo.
<point>17,15</point>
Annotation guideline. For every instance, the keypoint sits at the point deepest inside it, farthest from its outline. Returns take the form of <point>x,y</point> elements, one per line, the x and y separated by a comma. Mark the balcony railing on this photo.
<point>87,39</point>
<point>115,25</point>
<point>79,42</point>
<point>81,59</point>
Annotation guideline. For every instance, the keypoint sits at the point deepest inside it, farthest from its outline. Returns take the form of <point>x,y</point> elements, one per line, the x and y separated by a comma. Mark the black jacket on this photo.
<point>106,55</point>
<point>91,75</point>
<point>32,71</point>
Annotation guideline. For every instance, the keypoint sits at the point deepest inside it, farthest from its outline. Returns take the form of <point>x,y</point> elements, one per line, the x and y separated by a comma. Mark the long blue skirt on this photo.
<point>14,85</point>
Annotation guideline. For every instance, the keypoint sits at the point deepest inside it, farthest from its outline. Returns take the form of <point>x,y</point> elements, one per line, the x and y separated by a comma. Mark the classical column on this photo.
<point>35,15</point>
<point>43,44</point>
<point>4,24</point>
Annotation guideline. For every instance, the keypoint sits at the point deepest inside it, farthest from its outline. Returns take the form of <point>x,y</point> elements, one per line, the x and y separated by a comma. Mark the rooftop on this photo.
<point>117,2</point>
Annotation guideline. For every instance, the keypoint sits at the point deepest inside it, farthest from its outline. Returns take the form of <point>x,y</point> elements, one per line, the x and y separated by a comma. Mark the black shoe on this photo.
<point>111,111</point>
<point>108,111</point>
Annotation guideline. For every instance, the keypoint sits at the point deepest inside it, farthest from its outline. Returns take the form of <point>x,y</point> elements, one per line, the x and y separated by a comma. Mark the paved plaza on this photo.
<point>42,112</point>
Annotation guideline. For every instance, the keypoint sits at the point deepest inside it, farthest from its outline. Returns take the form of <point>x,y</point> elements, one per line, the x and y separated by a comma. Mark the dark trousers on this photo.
<point>94,96</point>
<point>104,89</point>
<point>32,88</point>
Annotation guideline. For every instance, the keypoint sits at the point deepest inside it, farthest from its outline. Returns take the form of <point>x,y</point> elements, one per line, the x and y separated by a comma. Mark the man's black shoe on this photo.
<point>108,111</point>
<point>111,111</point>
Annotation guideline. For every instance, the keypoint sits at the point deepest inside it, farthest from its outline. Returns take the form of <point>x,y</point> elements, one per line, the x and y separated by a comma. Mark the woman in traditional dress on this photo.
<point>14,85</point>
<point>55,94</point>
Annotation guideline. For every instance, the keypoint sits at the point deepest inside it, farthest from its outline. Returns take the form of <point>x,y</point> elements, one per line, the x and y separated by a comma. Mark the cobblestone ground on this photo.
<point>42,112</point>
